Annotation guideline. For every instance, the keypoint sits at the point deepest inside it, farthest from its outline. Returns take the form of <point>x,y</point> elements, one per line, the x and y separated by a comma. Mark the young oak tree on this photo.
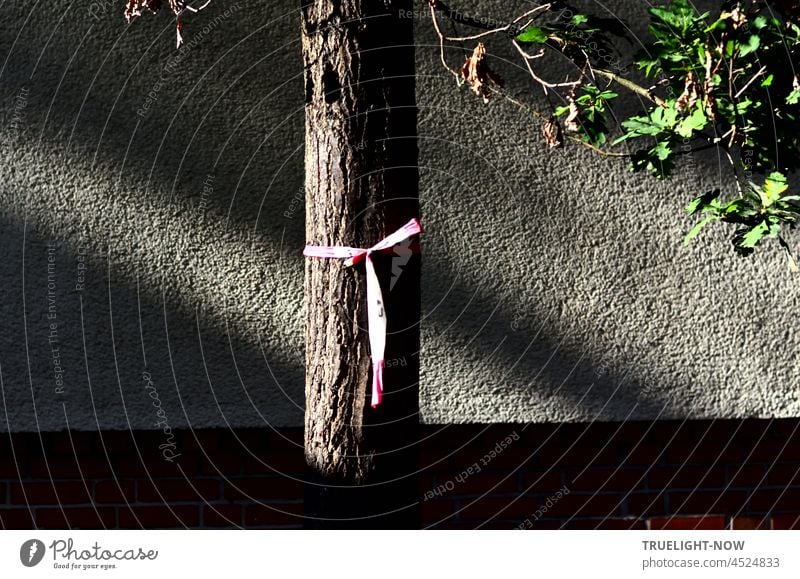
<point>726,80</point>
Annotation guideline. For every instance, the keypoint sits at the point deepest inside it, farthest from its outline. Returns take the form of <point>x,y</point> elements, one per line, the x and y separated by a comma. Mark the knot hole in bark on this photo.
<point>331,87</point>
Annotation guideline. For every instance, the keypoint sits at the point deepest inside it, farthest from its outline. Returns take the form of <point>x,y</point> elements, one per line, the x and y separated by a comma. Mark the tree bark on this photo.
<point>361,184</point>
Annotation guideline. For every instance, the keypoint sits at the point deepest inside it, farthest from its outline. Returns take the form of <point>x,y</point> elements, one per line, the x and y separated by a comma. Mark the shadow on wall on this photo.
<point>176,179</point>
<point>171,182</point>
<point>85,348</point>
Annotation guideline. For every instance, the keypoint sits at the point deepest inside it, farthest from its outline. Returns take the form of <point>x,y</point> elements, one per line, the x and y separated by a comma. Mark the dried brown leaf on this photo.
<point>478,75</point>
<point>134,8</point>
<point>552,133</point>
<point>571,123</point>
<point>690,94</point>
<point>179,33</point>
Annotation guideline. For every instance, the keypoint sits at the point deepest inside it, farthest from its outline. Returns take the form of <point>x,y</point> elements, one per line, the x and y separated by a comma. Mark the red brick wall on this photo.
<point>700,474</point>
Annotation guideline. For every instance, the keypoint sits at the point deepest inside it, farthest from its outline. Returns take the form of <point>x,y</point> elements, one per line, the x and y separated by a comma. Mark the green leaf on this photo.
<point>662,150</point>
<point>694,122</point>
<point>718,25</point>
<point>738,211</point>
<point>640,126</point>
<point>730,46</point>
<point>696,229</point>
<point>705,202</point>
<point>751,45</point>
<point>579,19</point>
<point>746,239</point>
<point>767,81</point>
<point>533,34</point>
<point>794,97</point>
<point>774,185</point>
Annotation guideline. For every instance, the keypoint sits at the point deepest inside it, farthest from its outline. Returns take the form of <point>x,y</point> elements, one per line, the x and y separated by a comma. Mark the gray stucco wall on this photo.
<point>168,184</point>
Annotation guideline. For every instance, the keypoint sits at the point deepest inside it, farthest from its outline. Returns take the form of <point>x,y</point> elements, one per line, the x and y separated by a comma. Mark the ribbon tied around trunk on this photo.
<point>376,314</point>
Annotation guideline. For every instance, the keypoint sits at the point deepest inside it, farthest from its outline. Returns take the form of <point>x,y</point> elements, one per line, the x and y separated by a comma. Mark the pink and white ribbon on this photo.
<point>376,315</point>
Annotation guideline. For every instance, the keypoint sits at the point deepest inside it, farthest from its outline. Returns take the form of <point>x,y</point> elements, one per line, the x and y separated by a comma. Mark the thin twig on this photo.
<point>441,43</point>
<point>761,71</point>
<point>544,84</point>
<point>597,150</point>
<point>733,168</point>
<point>542,117</point>
<point>631,86</point>
<point>508,26</point>
<point>192,9</point>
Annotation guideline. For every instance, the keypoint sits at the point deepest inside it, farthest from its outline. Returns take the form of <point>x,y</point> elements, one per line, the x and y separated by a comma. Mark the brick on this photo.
<point>687,477</point>
<point>705,452</point>
<point>541,481</point>
<point>646,455</point>
<point>11,470</point>
<point>222,515</point>
<point>684,523</point>
<point>42,493</point>
<point>253,440</point>
<point>748,475</point>
<point>584,505</point>
<point>704,502</point>
<point>749,523</point>
<point>433,458</point>
<point>784,474</point>
<point>150,466</point>
<point>784,450</point>
<point>227,465</point>
<point>606,479</point>
<point>583,452</point>
<point>275,488</point>
<point>76,518</point>
<point>275,464</point>
<point>433,511</point>
<point>482,483</point>
<point>207,441</point>
<point>194,490</point>
<point>543,524</point>
<point>69,467</point>
<point>495,525</point>
<point>16,518</point>
<point>277,515</point>
<point>73,443</point>
<point>116,443</point>
<point>787,499</point>
<point>785,522</point>
<point>115,491</point>
<point>159,517</point>
<point>506,508</point>
<point>507,459</point>
<point>472,525</point>
<point>647,504</point>
<point>605,524</point>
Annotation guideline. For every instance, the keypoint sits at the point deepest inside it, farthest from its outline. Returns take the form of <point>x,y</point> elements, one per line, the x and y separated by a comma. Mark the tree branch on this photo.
<point>631,86</point>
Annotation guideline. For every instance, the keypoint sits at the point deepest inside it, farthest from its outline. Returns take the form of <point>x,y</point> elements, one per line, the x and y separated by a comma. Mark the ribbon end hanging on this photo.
<point>377,383</point>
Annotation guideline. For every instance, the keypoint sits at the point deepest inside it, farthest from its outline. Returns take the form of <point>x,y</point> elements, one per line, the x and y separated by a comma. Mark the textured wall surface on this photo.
<point>151,205</point>
<point>554,290</point>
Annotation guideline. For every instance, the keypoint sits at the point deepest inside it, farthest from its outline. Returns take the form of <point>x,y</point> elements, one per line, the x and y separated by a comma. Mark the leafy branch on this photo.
<point>727,80</point>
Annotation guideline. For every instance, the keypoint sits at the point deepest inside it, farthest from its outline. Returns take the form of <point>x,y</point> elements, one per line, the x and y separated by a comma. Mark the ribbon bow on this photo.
<point>376,315</point>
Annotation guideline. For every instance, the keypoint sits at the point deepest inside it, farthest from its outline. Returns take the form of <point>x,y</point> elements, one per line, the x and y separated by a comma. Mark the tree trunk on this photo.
<point>361,184</point>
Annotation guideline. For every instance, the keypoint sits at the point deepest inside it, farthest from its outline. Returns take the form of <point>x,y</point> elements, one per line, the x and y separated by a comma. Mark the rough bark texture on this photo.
<point>361,184</point>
